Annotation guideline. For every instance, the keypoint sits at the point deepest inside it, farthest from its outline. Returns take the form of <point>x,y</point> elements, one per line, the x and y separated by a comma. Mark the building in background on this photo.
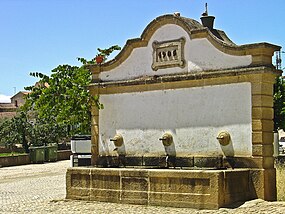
<point>19,98</point>
<point>7,110</point>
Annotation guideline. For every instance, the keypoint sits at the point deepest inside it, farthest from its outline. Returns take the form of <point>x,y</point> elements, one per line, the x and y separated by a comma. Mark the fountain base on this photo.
<point>202,189</point>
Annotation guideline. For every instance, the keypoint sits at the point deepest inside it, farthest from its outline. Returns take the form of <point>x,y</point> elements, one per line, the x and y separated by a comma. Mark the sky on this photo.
<point>39,35</point>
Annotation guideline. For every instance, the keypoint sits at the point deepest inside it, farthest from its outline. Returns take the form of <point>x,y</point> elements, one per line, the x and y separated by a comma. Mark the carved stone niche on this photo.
<point>168,54</point>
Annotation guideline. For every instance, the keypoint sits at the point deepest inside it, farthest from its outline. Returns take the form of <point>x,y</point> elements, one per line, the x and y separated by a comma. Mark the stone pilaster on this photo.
<point>264,178</point>
<point>94,129</point>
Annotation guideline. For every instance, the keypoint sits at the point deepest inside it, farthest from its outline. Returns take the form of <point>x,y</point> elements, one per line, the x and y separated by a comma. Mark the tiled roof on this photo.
<point>21,92</point>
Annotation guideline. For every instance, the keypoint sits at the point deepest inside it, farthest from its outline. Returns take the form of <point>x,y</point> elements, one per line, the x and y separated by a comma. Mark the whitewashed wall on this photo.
<point>200,55</point>
<point>194,116</point>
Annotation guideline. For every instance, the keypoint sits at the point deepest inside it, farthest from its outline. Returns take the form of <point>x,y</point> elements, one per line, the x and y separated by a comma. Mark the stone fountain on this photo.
<point>187,120</point>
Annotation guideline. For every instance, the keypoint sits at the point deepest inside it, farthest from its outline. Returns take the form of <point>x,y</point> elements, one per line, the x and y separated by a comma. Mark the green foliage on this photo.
<point>57,107</point>
<point>11,154</point>
<point>44,133</point>
<point>279,104</point>
<point>61,101</point>
<point>106,52</point>
<point>101,52</point>
<point>15,130</point>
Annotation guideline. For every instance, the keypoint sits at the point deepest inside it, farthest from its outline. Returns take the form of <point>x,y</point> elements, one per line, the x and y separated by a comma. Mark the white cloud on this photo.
<point>4,99</point>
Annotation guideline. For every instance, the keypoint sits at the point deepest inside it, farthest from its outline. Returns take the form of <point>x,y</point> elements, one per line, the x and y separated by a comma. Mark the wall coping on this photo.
<point>190,76</point>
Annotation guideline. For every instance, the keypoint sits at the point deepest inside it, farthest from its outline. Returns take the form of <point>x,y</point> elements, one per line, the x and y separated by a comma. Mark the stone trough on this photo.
<point>207,189</point>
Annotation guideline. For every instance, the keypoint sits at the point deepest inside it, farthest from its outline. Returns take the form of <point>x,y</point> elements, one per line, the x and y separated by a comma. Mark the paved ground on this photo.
<point>40,188</point>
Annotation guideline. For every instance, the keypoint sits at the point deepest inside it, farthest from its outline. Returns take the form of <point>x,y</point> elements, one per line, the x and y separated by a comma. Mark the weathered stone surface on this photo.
<point>167,187</point>
<point>105,195</point>
<point>264,183</point>
<point>208,162</point>
<point>262,149</point>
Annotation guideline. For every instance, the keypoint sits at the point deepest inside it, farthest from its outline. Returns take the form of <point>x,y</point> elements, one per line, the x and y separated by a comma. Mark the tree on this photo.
<point>61,100</point>
<point>279,104</point>
<point>15,130</point>
<point>59,105</point>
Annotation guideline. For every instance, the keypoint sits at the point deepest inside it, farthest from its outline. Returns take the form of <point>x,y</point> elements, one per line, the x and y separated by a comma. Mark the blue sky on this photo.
<point>38,35</point>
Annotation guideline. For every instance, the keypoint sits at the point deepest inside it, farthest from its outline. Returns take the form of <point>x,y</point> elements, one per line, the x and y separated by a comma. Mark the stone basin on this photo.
<point>195,188</point>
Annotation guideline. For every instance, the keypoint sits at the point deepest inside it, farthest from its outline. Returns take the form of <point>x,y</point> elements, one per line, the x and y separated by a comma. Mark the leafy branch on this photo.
<point>104,53</point>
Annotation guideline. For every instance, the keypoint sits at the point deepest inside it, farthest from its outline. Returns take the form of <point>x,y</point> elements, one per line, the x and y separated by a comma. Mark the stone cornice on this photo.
<point>190,76</point>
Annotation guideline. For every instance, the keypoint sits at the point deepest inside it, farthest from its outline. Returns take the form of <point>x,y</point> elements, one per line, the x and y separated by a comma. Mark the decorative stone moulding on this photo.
<point>168,54</point>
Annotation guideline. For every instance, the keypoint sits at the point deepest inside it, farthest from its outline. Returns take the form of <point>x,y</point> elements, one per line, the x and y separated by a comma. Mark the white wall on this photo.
<point>200,55</point>
<point>194,116</point>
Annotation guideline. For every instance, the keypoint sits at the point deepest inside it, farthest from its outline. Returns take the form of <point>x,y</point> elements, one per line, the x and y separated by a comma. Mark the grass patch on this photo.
<point>11,154</point>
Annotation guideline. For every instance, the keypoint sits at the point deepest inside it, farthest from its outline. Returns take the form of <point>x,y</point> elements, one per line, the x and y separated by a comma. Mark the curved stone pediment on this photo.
<point>173,45</point>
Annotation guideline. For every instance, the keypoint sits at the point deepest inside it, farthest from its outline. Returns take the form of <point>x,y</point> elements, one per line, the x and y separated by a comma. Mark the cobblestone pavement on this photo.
<point>40,188</point>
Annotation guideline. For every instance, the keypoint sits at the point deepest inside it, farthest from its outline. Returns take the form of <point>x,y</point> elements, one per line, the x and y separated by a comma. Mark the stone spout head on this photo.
<point>224,138</point>
<point>166,139</point>
<point>118,140</point>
